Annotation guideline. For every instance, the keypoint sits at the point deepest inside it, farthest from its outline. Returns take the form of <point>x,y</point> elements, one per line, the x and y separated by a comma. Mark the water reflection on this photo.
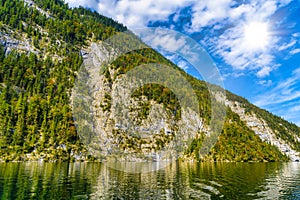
<point>285,181</point>
<point>176,181</point>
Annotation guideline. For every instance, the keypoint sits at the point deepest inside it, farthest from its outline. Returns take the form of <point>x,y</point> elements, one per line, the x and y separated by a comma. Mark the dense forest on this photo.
<point>35,112</point>
<point>36,119</point>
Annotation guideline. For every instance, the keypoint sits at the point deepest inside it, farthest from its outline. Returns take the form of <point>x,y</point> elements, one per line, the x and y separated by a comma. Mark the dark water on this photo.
<point>177,181</point>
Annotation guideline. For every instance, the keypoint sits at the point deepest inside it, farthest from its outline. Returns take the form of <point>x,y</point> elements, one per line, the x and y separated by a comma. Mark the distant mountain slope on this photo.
<point>42,47</point>
<point>270,128</point>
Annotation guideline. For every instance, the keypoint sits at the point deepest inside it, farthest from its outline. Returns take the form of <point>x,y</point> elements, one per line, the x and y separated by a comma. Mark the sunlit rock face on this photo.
<point>261,128</point>
<point>122,126</point>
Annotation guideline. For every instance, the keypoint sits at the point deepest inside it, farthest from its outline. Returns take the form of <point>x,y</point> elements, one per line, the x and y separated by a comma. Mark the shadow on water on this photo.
<point>176,181</point>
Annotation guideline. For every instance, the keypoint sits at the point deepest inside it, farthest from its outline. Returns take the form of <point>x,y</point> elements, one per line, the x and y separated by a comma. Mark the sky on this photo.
<point>255,44</point>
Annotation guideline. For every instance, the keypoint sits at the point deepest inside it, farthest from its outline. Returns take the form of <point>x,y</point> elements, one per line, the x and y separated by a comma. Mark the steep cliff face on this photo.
<point>131,127</point>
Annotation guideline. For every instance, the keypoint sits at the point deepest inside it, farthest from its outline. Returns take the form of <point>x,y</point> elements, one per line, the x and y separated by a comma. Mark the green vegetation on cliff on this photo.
<point>238,143</point>
<point>35,111</point>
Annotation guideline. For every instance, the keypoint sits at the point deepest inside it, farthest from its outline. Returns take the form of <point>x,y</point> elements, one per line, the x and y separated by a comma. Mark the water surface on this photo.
<point>176,181</point>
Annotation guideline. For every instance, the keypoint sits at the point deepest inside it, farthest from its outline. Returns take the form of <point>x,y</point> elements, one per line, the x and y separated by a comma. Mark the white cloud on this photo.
<point>138,13</point>
<point>296,35</point>
<point>177,59</point>
<point>264,71</point>
<point>287,45</point>
<point>168,42</point>
<point>209,12</point>
<point>295,51</point>
<point>265,83</point>
<point>237,12</point>
<point>183,65</point>
<point>284,92</point>
<point>84,3</point>
<point>234,49</point>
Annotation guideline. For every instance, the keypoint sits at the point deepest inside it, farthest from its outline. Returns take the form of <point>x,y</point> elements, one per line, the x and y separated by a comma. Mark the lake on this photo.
<point>176,181</point>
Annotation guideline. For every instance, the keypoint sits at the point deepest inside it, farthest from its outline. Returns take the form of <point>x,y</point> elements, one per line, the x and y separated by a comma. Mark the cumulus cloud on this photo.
<point>232,46</point>
<point>167,41</point>
<point>265,71</point>
<point>138,13</point>
<point>209,12</point>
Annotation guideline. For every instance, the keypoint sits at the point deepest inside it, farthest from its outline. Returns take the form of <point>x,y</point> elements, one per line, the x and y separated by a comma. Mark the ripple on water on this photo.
<point>177,181</point>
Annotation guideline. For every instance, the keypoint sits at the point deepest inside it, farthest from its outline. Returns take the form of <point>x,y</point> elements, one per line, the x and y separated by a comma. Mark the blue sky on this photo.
<point>254,43</point>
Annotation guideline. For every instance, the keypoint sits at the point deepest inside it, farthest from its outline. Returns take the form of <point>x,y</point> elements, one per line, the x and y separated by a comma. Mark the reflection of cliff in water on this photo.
<point>283,181</point>
<point>121,185</point>
<point>198,180</point>
<point>175,181</point>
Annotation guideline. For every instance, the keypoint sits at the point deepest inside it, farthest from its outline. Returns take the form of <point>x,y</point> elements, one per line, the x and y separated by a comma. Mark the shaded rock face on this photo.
<point>120,129</point>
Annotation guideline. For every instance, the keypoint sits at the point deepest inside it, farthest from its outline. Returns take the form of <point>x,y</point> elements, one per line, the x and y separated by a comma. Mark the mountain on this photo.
<point>43,113</point>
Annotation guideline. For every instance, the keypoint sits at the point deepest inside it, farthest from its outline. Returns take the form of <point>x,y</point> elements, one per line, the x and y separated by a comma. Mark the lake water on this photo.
<point>176,181</point>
